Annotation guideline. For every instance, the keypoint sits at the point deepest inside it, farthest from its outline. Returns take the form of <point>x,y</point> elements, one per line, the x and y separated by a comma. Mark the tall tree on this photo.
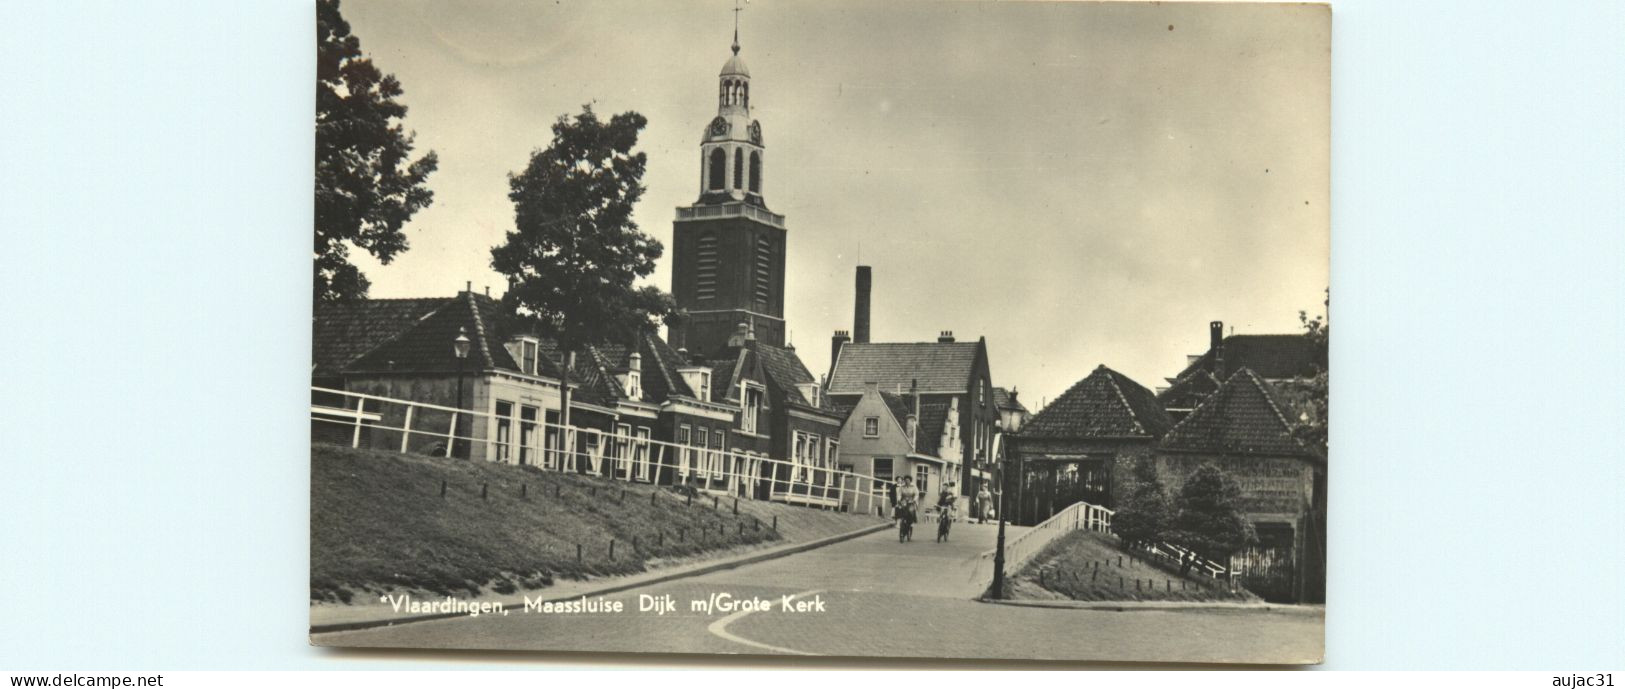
<point>1210,520</point>
<point>367,186</point>
<point>574,253</point>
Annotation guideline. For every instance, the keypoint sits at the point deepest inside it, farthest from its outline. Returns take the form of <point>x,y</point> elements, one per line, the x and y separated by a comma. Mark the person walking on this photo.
<point>984,503</point>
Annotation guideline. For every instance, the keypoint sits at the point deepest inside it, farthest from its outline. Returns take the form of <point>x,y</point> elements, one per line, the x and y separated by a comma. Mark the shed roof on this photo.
<point>1243,417</point>
<point>1105,404</point>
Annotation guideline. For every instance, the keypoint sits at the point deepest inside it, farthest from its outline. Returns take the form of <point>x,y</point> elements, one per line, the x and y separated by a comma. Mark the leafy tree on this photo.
<point>1210,519</point>
<point>1308,395</point>
<point>1145,515</point>
<point>366,185</point>
<point>575,253</point>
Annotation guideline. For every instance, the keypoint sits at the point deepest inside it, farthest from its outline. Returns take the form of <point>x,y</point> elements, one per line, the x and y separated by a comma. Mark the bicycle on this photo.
<point>905,525</point>
<point>945,519</point>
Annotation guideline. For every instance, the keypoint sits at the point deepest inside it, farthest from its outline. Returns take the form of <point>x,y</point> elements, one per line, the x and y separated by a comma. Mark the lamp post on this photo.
<point>459,348</point>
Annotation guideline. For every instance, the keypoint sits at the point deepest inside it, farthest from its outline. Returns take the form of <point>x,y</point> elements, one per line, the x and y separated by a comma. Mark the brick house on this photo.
<point>1077,448</point>
<point>949,376</point>
<point>1245,430</point>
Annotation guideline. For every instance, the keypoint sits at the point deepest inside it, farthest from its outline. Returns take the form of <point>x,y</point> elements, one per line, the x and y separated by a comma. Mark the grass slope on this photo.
<point>379,523</point>
<point>1085,565</point>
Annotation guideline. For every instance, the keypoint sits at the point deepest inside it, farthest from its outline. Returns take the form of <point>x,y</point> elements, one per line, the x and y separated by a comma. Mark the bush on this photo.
<point>1145,515</point>
<point>1210,519</point>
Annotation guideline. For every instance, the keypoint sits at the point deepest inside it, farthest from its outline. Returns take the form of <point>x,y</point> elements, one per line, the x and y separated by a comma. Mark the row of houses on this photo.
<point>534,404</point>
<point>1230,408</point>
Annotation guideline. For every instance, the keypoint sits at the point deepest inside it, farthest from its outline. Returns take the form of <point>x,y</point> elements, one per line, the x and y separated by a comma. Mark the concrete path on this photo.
<point>872,596</point>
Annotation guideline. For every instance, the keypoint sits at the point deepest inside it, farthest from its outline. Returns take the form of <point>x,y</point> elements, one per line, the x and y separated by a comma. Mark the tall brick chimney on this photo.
<point>1215,347</point>
<point>860,309</point>
<point>841,338</point>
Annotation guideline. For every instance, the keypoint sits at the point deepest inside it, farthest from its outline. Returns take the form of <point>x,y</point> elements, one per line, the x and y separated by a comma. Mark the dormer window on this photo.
<point>634,377</point>
<point>809,392</point>
<point>698,379</point>
<point>751,400</point>
<point>526,352</point>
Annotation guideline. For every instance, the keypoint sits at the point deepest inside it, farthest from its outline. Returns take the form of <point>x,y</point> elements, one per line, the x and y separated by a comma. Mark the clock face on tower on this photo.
<point>719,127</point>
<point>756,132</point>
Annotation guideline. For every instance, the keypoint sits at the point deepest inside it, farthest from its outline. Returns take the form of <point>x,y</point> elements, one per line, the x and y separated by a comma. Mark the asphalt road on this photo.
<point>872,596</point>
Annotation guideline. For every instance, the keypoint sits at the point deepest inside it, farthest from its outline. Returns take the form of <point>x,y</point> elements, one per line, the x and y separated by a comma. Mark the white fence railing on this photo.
<point>1177,555</point>
<point>377,422</point>
<point>1020,549</point>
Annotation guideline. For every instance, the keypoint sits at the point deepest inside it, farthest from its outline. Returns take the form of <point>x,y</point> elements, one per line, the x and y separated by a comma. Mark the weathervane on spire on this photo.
<point>737,10</point>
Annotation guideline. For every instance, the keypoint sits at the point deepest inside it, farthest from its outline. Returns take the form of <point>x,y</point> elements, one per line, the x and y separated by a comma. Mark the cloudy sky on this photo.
<point>1080,183</point>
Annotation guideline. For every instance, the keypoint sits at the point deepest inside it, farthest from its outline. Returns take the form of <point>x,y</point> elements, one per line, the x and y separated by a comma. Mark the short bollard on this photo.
<point>482,490</point>
<point>736,507</point>
<point>611,550</point>
<point>775,522</point>
<point>442,488</point>
<point>578,552</point>
<point>524,489</point>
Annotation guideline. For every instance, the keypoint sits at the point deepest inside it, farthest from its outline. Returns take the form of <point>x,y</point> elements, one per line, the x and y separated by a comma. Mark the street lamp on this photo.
<point>459,348</point>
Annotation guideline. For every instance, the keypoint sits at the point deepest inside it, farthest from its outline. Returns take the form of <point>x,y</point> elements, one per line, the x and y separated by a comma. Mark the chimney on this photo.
<point>860,309</point>
<point>1215,347</point>
<point>677,330</point>
<point>946,336</point>
<point>468,287</point>
<point>841,337</point>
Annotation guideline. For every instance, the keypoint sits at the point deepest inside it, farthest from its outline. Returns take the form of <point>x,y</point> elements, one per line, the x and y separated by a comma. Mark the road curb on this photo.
<point>740,561</point>
<point>1153,606</point>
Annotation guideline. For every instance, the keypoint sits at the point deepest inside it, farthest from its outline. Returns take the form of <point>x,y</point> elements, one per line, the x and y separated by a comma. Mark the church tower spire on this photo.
<point>728,248</point>
<point>731,148</point>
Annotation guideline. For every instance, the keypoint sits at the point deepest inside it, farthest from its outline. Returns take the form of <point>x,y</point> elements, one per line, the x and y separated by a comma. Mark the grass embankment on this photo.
<point>1085,565</point>
<point>380,524</point>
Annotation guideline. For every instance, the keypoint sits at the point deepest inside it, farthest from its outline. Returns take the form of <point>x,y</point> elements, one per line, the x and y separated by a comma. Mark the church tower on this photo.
<point>728,248</point>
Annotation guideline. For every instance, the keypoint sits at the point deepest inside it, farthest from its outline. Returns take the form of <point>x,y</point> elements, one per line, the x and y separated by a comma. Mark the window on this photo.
<point>623,448</point>
<point>528,349</point>
<point>755,172</point>
<point>702,439</point>
<point>705,264</point>
<point>739,168</point>
<point>871,427</point>
<point>550,436</point>
<point>504,430</point>
<point>752,411</point>
<point>883,468</point>
<point>634,384</point>
<point>719,444</point>
<point>922,480</point>
<point>705,385</point>
<point>719,171</point>
<point>832,452</point>
<point>764,270</point>
<point>640,453</point>
<point>527,434</point>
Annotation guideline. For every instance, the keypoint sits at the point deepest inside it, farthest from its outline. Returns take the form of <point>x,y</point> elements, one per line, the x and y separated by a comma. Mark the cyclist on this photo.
<point>908,497</point>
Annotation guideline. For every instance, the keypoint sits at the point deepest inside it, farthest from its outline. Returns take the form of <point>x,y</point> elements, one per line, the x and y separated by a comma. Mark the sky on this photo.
<point>1080,183</point>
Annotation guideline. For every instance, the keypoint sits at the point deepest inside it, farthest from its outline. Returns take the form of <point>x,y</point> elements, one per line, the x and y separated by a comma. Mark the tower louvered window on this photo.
<point>764,272</point>
<point>755,173</point>
<point>739,168</point>
<point>705,263</point>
